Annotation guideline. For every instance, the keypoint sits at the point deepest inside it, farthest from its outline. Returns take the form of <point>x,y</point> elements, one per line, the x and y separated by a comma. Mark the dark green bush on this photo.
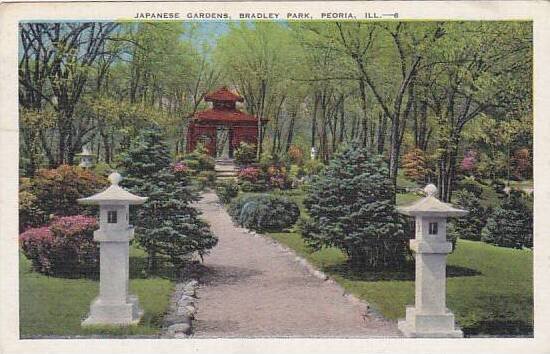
<point>264,212</point>
<point>468,227</point>
<point>511,224</point>
<point>227,190</point>
<point>351,207</point>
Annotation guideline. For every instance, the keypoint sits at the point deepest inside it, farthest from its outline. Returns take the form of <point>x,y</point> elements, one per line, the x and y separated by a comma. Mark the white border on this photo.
<point>11,13</point>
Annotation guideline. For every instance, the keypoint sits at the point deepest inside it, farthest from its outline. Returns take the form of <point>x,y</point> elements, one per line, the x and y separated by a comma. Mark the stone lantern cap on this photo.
<point>431,206</point>
<point>114,194</point>
<point>85,152</point>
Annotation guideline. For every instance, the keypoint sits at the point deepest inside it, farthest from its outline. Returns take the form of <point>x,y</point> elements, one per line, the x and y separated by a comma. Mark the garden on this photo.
<point>342,124</point>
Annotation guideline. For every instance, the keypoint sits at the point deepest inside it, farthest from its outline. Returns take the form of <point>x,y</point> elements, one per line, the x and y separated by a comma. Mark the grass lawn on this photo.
<point>56,306</point>
<point>490,289</point>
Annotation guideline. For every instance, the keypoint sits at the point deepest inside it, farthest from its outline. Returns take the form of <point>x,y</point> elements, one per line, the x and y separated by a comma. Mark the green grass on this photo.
<point>490,289</point>
<point>56,306</point>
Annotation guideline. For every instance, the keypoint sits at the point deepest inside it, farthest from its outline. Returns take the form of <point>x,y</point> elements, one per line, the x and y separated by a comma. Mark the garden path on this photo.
<point>255,288</point>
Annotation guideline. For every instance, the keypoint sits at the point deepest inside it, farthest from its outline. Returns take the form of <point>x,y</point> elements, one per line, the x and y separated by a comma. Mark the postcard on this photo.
<point>274,177</point>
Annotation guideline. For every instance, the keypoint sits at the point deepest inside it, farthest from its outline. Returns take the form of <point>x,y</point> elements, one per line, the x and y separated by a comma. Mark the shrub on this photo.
<point>264,212</point>
<point>351,205</point>
<point>251,179</point>
<point>511,224</point>
<point>65,248</point>
<point>277,177</point>
<point>313,167</point>
<point>245,153</point>
<point>227,190</point>
<point>206,179</point>
<point>57,190</point>
<point>470,184</point>
<point>414,165</point>
<point>522,164</point>
<point>469,162</point>
<point>30,215</point>
<point>296,155</point>
<point>199,160</point>
<point>468,227</point>
<point>166,224</point>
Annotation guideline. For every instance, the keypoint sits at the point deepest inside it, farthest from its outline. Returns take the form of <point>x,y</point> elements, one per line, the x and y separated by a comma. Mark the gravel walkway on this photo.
<point>255,288</point>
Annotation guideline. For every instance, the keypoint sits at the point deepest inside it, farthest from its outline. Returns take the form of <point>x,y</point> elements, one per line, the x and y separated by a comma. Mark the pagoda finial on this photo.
<point>115,178</point>
<point>430,190</point>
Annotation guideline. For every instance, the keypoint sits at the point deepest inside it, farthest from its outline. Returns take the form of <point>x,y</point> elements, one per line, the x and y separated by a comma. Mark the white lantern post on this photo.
<point>114,306</point>
<point>86,158</point>
<point>430,317</point>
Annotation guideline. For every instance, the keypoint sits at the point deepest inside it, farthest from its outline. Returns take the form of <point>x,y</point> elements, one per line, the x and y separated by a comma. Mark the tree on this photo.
<point>415,165</point>
<point>511,224</point>
<point>351,207</point>
<point>166,224</point>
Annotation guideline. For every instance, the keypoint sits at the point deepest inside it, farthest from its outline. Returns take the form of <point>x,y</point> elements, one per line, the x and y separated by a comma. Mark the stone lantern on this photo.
<point>114,305</point>
<point>86,158</point>
<point>429,317</point>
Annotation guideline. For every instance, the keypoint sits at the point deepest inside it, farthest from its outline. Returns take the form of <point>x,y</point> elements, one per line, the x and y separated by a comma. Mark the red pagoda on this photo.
<point>223,117</point>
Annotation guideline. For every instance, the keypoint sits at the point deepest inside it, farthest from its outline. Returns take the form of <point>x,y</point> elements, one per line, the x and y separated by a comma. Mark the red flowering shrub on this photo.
<point>179,167</point>
<point>249,174</point>
<point>277,177</point>
<point>65,247</point>
<point>522,164</point>
<point>57,190</point>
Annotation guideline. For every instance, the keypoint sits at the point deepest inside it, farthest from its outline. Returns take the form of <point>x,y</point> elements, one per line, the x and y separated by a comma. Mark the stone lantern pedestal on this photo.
<point>114,305</point>
<point>430,317</point>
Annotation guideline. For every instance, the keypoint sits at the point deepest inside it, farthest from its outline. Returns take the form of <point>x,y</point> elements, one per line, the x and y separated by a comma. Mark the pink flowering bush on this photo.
<point>180,167</point>
<point>468,164</point>
<point>249,174</point>
<point>65,247</point>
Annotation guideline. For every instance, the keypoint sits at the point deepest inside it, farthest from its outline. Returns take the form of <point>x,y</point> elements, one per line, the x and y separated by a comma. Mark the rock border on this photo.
<point>178,322</point>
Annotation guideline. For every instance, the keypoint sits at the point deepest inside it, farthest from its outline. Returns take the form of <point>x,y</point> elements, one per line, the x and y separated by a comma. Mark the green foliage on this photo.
<point>511,224</point>
<point>468,227</point>
<point>313,167</point>
<point>227,190</point>
<point>351,207</point>
<point>199,160</point>
<point>57,190</point>
<point>245,154</point>
<point>264,212</point>
<point>30,215</point>
<point>166,224</point>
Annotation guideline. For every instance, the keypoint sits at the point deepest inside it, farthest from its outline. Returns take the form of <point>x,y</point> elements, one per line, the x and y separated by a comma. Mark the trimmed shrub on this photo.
<point>351,207</point>
<point>468,227</point>
<point>511,224</point>
<point>227,190</point>
<point>245,153</point>
<point>198,161</point>
<point>264,212</point>
<point>66,247</point>
<point>470,184</point>
<point>57,190</point>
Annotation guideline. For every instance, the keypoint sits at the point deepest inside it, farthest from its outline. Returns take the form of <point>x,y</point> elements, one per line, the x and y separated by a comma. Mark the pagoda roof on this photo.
<point>223,94</point>
<point>431,206</point>
<point>225,115</point>
<point>114,195</point>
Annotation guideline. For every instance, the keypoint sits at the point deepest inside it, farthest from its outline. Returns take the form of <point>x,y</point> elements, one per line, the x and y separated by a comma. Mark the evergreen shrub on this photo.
<point>245,153</point>
<point>351,207</point>
<point>468,227</point>
<point>227,190</point>
<point>166,225</point>
<point>264,212</point>
<point>511,224</point>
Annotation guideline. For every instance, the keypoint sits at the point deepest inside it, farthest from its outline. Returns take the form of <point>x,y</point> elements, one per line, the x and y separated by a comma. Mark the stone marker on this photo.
<point>430,316</point>
<point>114,305</point>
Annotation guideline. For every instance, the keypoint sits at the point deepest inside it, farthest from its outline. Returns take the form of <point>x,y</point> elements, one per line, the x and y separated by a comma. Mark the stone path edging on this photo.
<point>178,323</point>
